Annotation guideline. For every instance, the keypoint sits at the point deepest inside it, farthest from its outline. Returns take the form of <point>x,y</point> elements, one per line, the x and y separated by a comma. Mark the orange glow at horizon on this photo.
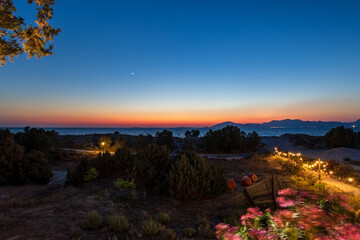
<point>154,116</point>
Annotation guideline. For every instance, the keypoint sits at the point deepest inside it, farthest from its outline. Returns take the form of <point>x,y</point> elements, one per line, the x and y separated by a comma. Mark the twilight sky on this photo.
<point>188,63</point>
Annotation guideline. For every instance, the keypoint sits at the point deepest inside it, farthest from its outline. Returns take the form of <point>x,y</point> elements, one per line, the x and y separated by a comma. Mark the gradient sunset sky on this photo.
<point>188,63</point>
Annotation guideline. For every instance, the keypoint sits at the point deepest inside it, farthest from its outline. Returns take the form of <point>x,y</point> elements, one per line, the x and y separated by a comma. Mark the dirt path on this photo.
<point>342,186</point>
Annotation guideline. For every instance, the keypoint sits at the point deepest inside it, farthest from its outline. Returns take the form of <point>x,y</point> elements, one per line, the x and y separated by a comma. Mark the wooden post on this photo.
<point>273,191</point>
<point>251,201</point>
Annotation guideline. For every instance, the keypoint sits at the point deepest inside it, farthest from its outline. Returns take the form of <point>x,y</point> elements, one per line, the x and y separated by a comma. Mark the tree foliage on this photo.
<point>340,137</point>
<point>37,139</point>
<point>165,138</point>
<point>193,177</point>
<point>18,37</point>
<point>152,165</point>
<point>229,139</point>
<point>142,141</point>
<point>19,168</point>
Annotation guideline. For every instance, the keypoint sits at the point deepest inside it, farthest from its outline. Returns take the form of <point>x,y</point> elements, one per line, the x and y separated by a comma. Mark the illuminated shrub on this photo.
<point>193,177</point>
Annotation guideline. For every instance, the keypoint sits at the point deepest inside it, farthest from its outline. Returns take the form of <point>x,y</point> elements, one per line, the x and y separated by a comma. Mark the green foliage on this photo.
<point>19,168</point>
<point>104,163</point>
<point>153,164</point>
<point>37,139</point>
<point>229,139</point>
<point>165,138</point>
<point>340,137</point>
<point>189,232</point>
<point>163,218</point>
<point>18,37</point>
<point>142,141</point>
<point>203,227</point>
<point>188,145</point>
<point>123,158</point>
<point>76,176</point>
<point>37,168</point>
<point>93,221</point>
<point>124,185</point>
<point>91,174</point>
<point>193,177</point>
<point>150,227</point>
<point>122,142</point>
<point>118,223</point>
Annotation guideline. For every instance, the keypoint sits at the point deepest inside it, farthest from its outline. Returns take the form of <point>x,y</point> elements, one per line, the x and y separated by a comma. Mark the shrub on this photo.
<point>163,218</point>
<point>189,232</point>
<point>37,168</point>
<point>188,145</point>
<point>340,137</point>
<point>205,231</point>
<point>168,234</point>
<point>202,221</point>
<point>165,138</point>
<point>124,185</point>
<point>142,141</point>
<point>153,164</point>
<point>93,221</point>
<point>118,223</point>
<point>123,158</point>
<point>91,174</point>
<point>76,176</point>
<point>37,139</point>
<point>150,227</point>
<point>19,168</point>
<point>193,177</point>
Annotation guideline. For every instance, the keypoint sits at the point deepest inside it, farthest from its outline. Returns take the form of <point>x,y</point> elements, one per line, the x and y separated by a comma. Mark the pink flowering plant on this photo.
<point>301,216</point>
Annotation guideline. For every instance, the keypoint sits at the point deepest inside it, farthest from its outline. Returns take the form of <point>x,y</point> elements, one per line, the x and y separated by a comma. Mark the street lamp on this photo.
<point>103,145</point>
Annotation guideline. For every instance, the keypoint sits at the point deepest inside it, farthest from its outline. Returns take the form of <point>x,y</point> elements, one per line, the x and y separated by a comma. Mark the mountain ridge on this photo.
<point>290,123</point>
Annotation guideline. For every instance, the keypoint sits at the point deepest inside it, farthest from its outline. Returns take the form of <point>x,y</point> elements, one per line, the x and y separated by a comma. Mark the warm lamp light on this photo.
<point>350,179</point>
<point>103,143</point>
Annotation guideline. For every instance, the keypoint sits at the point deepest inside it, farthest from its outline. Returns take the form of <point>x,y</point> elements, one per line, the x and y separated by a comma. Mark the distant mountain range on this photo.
<point>289,123</point>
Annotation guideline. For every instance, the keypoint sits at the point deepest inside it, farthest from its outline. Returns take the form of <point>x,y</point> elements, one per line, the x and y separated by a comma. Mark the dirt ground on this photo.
<point>54,211</point>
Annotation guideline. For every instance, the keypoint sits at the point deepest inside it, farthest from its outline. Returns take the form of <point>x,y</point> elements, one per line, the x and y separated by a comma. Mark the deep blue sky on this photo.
<point>194,63</point>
